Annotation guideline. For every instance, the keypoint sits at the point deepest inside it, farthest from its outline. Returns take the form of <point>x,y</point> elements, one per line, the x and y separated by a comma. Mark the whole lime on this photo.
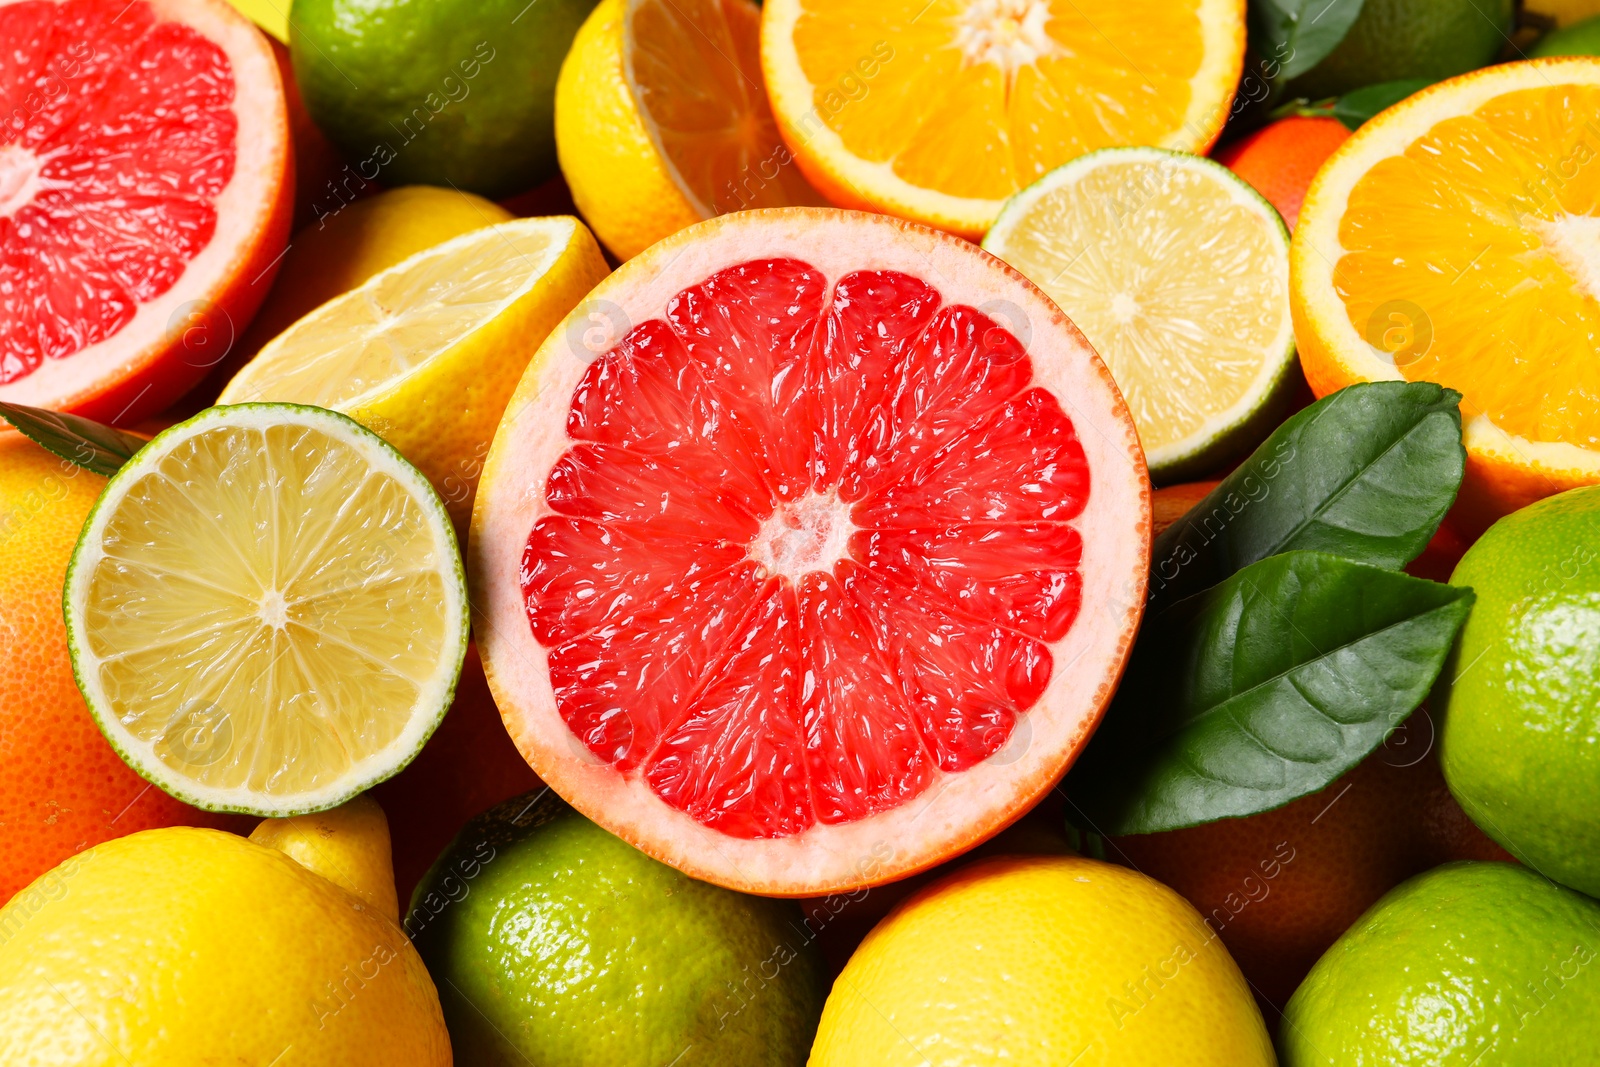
<point>439,92</point>
<point>1395,39</point>
<point>555,943</point>
<point>1580,39</point>
<point>1521,736</point>
<point>1469,963</point>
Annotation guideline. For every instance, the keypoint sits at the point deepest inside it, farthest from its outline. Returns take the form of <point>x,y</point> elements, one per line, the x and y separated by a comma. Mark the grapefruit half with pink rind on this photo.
<point>146,189</point>
<point>810,550</point>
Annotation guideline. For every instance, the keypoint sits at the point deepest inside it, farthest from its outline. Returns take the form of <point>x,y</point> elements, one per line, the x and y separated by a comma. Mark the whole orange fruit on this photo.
<point>62,787</point>
<point>1280,159</point>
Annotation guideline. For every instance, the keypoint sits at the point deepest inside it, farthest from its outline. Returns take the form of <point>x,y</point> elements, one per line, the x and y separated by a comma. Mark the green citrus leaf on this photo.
<point>1299,34</point>
<point>91,445</point>
<point>1263,689</point>
<point>1355,108</point>
<point>1366,473</point>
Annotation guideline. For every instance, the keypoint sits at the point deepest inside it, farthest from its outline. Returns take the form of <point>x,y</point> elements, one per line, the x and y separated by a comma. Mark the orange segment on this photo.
<point>1456,239</point>
<point>1485,223</point>
<point>940,110</point>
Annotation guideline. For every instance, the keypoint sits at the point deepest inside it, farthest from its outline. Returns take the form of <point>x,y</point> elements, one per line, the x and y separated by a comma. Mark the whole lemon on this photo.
<point>185,947</point>
<point>1042,960</point>
<point>1520,744</point>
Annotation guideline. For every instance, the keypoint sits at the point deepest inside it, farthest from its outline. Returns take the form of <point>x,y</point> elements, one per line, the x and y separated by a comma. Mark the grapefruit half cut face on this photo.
<point>145,181</point>
<point>809,550</point>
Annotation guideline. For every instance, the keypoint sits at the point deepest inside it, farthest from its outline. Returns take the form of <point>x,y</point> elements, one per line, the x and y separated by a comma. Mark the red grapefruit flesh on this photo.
<point>821,569</point>
<point>145,196</point>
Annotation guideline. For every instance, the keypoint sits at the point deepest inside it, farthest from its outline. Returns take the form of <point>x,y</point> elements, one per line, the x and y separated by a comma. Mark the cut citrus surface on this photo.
<point>938,110</point>
<point>145,186</point>
<point>266,610</point>
<point>1453,239</point>
<point>1178,273</point>
<point>662,120</point>
<point>427,352</point>
<point>823,569</point>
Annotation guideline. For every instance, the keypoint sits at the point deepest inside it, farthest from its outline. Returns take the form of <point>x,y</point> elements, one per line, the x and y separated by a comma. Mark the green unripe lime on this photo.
<point>437,92</point>
<point>1468,964</point>
<point>1521,736</point>
<point>554,943</point>
<point>1395,39</point>
<point>1579,39</point>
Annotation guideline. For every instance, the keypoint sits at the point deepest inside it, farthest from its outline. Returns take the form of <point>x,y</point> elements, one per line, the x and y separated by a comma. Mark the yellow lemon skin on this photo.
<point>347,845</point>
<point>618,179</point>
<point>344,248</point>
<point>1565,12</point>
<point>184,947</point>
<point>1042,960</point>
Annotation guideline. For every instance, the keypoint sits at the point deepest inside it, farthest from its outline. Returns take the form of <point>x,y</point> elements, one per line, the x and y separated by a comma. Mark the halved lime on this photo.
<point>1178,273</point>
<point>266,610</point>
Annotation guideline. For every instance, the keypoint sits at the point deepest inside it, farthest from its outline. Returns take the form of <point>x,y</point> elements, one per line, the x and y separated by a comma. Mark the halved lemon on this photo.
<point>1178,273</point>
<point>662,120</point>
<point>938,110</point>
<point>266,610</point>
<point>1455,238</point>
<point>427,352</point>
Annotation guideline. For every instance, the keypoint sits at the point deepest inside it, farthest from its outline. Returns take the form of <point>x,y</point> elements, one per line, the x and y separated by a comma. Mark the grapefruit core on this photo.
<point>810,550</point>
<point>145,196</point>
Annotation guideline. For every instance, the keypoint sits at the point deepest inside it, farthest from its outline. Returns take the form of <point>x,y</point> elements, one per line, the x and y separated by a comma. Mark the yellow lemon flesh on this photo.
<point>427,353</point>
<point>1058,960</point>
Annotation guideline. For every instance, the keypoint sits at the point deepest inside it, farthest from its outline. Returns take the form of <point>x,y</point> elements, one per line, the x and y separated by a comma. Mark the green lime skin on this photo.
<point>1521,738</point>
<point>436,92</point>
<point>1394,39</point>
<point>1468,964</point>
<point>555,944</point>
<point>1579,39</point>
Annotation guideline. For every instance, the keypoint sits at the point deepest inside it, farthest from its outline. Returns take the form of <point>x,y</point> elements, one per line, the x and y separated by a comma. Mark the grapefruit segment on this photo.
<point>143,175</point>
<point>813,541</point>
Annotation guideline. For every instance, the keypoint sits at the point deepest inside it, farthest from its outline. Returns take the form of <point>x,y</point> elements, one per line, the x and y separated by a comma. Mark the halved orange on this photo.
<point>662,120</point>
<point>1456,238</point>
<point>938,110</point>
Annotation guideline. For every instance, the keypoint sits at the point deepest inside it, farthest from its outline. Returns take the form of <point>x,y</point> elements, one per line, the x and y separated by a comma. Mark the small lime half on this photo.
<point>266,610</point>
<point>1177,271</point>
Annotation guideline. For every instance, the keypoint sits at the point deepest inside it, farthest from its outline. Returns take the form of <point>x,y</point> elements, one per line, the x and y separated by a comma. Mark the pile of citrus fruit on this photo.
<point>668,532</point>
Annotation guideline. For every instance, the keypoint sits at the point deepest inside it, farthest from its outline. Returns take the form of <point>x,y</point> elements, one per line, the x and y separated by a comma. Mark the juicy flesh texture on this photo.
<point>271,661</point>
<point>696,67</point>
<point>1179,287</point>
<point>809,547</point>
<point>1473,259</point>
<point>121,137</point>
<point>979,98</point>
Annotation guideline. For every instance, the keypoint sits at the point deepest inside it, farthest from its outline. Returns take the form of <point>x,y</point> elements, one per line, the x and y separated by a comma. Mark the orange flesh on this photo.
<point>979,100</point>
<point>1473,259</point>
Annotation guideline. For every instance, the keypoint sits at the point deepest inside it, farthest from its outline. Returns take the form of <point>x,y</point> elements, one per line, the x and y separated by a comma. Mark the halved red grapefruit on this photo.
<point>822,565</point>
<point>146,187</point>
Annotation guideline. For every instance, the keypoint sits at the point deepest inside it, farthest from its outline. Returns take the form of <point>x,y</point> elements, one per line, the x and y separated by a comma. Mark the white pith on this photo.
<point>1008,33</point>
<point>957,809</point>
<point>20,180</point>
<point>809,534</point>
<point>270,608</point>
<point>243,209</point>
<point>1574,242</point>
<point>1318,248</point>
